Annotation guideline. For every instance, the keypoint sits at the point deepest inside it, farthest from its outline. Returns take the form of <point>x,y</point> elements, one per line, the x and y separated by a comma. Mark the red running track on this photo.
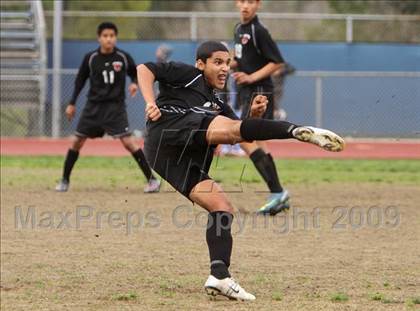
<point>355,149</point>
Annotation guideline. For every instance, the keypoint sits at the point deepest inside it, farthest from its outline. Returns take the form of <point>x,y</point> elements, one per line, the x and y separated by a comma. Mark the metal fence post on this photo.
<point>349,29</point>
<point>193,27</point>
<point>57,41</point>
<point>41,38</point>
<point>318,101</point>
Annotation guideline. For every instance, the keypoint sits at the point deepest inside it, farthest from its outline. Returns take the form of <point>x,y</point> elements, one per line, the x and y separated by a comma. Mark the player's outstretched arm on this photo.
<point>146,79</point>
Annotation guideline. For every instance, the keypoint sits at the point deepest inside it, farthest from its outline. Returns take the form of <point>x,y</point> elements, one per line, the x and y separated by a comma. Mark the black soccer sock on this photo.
<point>71,158</point>
<point>263,129</point>
<point>219,241</point>
<point>142,162</point>
<point>267,168</point>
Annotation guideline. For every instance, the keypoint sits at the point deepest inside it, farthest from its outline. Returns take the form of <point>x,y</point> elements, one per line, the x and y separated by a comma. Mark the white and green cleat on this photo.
<point>325,139</point>
<point>276,203</point>
<point>227,287</point>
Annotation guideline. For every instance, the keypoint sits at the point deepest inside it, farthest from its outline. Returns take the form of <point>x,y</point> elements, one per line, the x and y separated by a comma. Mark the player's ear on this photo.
<point>200,64</point>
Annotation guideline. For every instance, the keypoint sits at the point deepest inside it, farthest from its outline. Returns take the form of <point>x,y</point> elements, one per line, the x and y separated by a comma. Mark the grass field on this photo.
<point>350,242</point>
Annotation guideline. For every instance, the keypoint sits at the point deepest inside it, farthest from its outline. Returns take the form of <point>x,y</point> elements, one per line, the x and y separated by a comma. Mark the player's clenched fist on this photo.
<point>70,111</point>
<point>152,111</point>
<point>132,89</point>
<point>259,106</point>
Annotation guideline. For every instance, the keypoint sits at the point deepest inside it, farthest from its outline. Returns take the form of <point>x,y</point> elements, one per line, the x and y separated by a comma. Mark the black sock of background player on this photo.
<point>219,241</point>
<point>267,169</point>
<point>142,162</point>
<point>71,158</point>
<point>262,129</point>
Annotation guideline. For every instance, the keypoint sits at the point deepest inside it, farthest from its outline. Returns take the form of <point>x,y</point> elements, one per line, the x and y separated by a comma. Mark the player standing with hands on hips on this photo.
<point>257,57</point>
<point>105,111</point>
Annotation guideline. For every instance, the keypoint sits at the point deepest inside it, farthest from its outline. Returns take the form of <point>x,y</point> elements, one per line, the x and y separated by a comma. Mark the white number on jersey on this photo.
<point>109,79</point>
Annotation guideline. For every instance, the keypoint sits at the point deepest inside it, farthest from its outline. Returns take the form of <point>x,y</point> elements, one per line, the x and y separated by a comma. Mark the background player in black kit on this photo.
<point>185,124</point>
<point>105,112</point>
<point>256,59</point>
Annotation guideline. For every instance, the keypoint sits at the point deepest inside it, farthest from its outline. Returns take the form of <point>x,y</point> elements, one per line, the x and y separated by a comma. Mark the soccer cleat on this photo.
<point>152,186</point>
<point>227,287</point>
<point>232,150</point>
<point>237,151</point>
<point>325,139</point>
<point>276,203</point>
<point>62,186</point>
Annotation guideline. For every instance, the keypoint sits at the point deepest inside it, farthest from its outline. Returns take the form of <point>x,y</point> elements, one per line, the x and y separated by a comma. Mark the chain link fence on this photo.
<point>360,104</point>
<point>219,26</point>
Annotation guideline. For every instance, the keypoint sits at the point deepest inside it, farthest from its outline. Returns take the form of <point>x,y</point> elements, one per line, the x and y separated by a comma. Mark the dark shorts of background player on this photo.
<point>100,118</point>
<point>176,148</point>
<point>246,95</point>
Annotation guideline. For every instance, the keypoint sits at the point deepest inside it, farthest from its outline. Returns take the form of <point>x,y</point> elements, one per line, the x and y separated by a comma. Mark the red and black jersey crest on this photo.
<point>245,38</point>
<point>117,66</point>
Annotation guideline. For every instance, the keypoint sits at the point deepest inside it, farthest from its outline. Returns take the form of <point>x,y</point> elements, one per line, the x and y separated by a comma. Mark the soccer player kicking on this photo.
<point>186,122</point>
<point>105,111</point>
<point>257,57</point>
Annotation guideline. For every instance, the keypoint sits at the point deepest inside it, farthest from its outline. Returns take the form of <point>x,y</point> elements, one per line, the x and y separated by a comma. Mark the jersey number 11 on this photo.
<point>109,79</point>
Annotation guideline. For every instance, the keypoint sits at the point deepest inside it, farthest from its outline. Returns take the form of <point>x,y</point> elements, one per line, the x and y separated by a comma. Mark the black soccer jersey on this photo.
<point>183,89</point>
<point>107,75</point>
<point>254,48</point>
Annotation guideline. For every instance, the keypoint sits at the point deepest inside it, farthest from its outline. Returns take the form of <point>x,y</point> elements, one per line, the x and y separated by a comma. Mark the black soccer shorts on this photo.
<point>100,118</point>
<point>176,148</point>
<point>246,95</point>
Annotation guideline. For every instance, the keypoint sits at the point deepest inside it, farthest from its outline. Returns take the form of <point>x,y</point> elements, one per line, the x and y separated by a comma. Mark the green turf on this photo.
<point>105,171</point>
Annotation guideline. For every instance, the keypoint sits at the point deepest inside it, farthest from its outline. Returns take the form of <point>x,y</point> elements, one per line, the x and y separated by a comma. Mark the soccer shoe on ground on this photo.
<point>325,139</point>
<point>276,203</point>
<point>152,186</point>
<point>62,186</point>
<point>226,287</point>
<point>234,150</point>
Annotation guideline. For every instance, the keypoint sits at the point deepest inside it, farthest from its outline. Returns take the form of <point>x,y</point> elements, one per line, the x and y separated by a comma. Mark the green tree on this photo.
<point>352,6</point>
<point>406,7</point>
<point>375,7</point>
<point>120,5</point>
<point>85,27</point>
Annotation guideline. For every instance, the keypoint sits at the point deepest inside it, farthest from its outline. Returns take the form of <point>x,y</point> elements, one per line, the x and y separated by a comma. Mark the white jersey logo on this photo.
<point>238,50</point>
<point>211,105</point>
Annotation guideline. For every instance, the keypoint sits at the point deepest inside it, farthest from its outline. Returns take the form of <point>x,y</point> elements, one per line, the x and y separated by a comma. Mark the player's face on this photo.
<point>216,69</point>
<point>107,39</point>
<point>248,8</point>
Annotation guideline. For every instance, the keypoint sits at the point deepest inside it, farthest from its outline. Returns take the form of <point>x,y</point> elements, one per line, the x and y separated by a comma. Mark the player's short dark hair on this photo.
<point>206,49</point>
<point>106,25</point>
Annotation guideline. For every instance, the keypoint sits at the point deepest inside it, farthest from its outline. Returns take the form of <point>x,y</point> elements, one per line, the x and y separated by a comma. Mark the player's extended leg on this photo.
<point>71,158</point>
<point>209,195</point>
<point>264,163</point>
<point>153,184</point>
<point>223,130</point>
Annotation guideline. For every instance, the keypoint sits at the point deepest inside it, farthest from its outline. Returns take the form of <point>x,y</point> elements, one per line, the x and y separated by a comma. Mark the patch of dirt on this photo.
<point>134,251</point>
